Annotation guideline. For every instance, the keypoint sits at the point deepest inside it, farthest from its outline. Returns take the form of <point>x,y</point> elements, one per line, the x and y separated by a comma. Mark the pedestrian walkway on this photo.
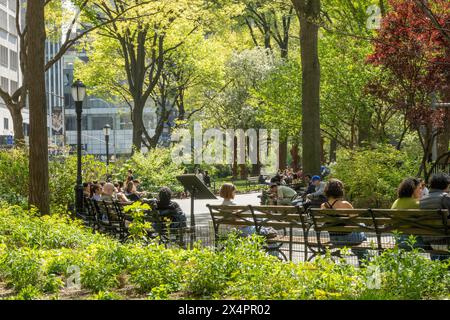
<point>202,216</point>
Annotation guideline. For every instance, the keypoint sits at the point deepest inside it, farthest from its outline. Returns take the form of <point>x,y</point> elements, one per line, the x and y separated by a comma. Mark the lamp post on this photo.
<point>78,94</point>
<point>106,132</point>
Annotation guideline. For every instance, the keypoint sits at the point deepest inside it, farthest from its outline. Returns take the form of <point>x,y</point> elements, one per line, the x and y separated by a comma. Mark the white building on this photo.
<point>10,75</point>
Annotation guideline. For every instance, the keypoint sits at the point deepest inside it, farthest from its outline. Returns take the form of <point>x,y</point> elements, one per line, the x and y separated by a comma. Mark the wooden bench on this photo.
<point>378,222</point>
<point>284,219</point>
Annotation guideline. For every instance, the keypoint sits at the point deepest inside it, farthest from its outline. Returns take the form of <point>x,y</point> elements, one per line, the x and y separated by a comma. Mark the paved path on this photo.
<point>201,212</point>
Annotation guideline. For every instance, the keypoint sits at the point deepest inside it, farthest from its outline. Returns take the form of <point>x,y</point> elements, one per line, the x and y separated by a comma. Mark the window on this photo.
<point>5,123</point>
<point>3,2</point>
<point>3,56</point>
<point>4,84</point>
<point>99,122</point>
<point>12,5</point>
<point>12,25</point>
<point>3,20</point>
<point>12,39</point>
<point>13,86</point>
<point>13,60</point>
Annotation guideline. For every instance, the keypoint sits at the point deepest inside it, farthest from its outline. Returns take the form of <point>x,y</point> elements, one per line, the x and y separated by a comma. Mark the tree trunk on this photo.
<point>333,148</point>
<point>282,155</point>
<point>16,115</point>
<point>38,180</point>
<point>295,156</point>
<point>364,125</point>
<point>137,116</point>
<point>443,139</point>
<point>308,12</point>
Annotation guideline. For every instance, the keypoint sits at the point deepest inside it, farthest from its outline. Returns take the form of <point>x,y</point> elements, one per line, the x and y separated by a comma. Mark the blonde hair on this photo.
<point>227,190</point>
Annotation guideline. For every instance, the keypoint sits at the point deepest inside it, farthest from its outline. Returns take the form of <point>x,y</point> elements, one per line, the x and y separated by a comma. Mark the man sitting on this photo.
<point>318,196</point>
<point>438,198</point>
<point>283,194</point>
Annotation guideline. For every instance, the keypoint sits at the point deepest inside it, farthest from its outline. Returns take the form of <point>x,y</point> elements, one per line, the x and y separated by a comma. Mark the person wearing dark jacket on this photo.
<point>169,209</point>
<point>438,198</point>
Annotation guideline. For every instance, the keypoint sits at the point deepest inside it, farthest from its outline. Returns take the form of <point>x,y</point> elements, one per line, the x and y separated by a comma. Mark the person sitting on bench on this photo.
<point>283,194</point>
<point>334,191</point>
<point>167,208</point>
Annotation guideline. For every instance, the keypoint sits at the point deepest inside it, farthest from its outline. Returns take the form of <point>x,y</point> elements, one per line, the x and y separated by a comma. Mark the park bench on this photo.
<point>379,225</point>
<point>284,219</point>
<point>251,181</point>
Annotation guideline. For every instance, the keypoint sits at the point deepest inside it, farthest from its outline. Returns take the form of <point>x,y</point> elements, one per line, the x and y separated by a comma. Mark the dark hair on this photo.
<point>439,181</point>
<point>86,184</point>
<point>129,187</point>
<point>165,196</point>
<point>130,171</point>
<point>307,175</point>
<point>334,189</point>
<point>94,188</point>
<point>136,181</point>
<point>407,187</point>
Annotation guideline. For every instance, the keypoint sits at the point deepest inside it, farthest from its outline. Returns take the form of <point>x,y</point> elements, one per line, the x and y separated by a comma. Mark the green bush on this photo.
<point>155,169</point>
<point>38,255</point>
<point>14,176</point>
<point>371,177</point>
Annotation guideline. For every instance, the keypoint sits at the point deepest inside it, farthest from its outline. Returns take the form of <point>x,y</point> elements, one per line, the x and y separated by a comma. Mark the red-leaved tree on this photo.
<point>413,49</point>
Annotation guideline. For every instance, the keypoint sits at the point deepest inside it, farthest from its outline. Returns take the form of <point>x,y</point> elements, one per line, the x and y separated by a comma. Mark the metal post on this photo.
<point>107,151</point>
<point>79,186</point>
<point>192,218</point>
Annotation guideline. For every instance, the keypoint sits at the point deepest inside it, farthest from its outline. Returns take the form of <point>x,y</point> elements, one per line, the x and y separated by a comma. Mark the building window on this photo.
<point>6,123</point>
<point>12,25</point>
<point>99,122</point>
<point>4,84</point>
<point>12,5</point>
<point>13,60</point>
<point>3,56</point>
<point>3,20</point>
<point>13,86</point>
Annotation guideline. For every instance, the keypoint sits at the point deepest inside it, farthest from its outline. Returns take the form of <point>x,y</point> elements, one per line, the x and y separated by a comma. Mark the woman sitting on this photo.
<point>96,192</point>
<point>169,209</point>
<point>131,192</point>
<point>334,191</point>
<point>409,193</point>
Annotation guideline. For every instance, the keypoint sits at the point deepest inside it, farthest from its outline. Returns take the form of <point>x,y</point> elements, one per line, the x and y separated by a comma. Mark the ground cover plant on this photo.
<point>54,257</point>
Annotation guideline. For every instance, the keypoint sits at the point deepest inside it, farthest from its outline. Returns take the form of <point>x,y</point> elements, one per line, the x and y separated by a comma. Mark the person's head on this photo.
<point>440,181</point>
<point>206,173</point>
<point>136,183</point>
<point>228,191</point>
<point>334,189</point>
<point>131,188</point>
<point>165,196</point>
<point>273,187</point>
<point>130,172</point>
<point>86,186</point>
<point>307,178</point>
<point>102,183</point>
<point>96,189</point>
<point>295,176</point>
<point>410,188</point>
<point>108,189</point>
<point>316,180</point>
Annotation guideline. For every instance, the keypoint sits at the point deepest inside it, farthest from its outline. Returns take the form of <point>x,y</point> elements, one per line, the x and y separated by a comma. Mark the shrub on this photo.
<point>155,169</point>
<point>371,177</point>
<point>14,176</point>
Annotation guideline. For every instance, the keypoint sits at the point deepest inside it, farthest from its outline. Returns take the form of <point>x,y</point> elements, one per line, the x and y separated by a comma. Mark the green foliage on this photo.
<point>138,227</point>
<point>14,176</point>
<point>63,175</point>
<point>237,269</point>
<point>371,176</point>
<point>154,169</point>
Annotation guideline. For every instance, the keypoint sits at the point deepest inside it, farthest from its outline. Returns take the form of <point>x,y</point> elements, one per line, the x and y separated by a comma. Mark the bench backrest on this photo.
<point>278,217</point>
<point>415,222</point>
<point>343,220</point>
<point>231,215</point>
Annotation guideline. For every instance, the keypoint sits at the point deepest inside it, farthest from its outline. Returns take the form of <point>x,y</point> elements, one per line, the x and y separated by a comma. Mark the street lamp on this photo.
<point>106,132</point>
<point>78,94</point>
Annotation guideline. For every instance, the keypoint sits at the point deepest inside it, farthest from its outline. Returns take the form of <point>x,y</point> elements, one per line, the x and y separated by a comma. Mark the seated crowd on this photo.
<point>129,191</point>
